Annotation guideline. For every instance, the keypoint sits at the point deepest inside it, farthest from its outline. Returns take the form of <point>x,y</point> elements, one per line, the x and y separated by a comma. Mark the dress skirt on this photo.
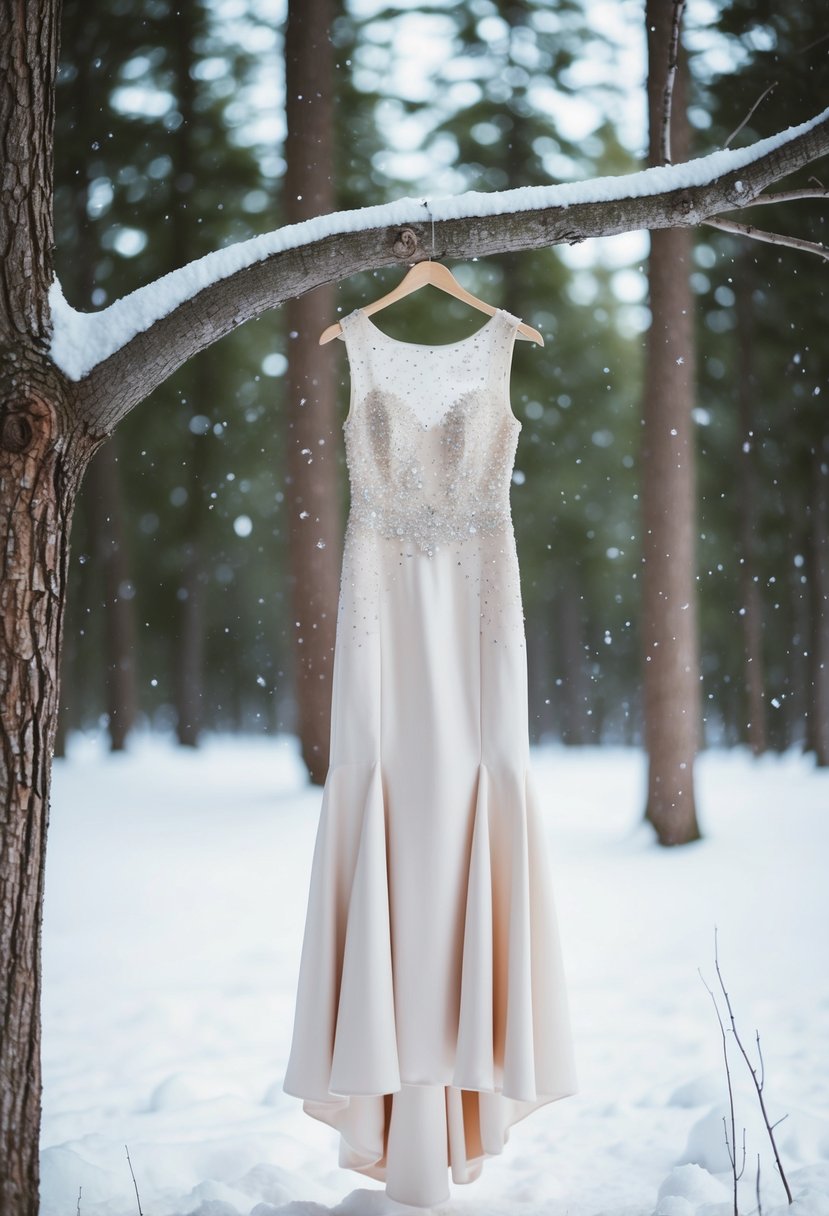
<point>431,1009</point>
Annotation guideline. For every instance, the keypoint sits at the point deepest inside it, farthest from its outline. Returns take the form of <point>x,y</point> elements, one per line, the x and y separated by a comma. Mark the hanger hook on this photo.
<point>432,218</point>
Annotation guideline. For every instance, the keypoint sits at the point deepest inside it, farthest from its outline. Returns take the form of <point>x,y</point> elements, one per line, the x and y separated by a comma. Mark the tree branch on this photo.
<point>214,295</point>
<point>770,238</point>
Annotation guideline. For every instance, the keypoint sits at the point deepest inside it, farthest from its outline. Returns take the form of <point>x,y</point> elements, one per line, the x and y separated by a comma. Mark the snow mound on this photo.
<point>214,1207</point>
<point>270,1183</point>
<point>706,1144</point>
<point>810,1190</point>
<point>689,1190</point>
<point>63,1171</point>
<point>179,1090</point>
<point>699,1091</point>
<point>299,1207</point>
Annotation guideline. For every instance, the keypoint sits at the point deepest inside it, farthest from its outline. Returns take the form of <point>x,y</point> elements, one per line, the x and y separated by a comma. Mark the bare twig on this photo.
<point>760,1057</point>
<point>737,130</point>
<point>784,196</point>
<point>667,101</point>
<point>79,1200</point>
<point>758,1081</point>
<point>732,1144</point>
<point>802,49</point>
<point>770,238</point>
<point>134,1183</point>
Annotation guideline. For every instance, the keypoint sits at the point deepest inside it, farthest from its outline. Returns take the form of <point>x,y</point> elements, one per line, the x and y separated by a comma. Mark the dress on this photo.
<point>431,1009</point>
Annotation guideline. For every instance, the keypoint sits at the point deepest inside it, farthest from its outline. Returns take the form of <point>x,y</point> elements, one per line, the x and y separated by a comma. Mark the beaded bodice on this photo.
<point>430,436</point>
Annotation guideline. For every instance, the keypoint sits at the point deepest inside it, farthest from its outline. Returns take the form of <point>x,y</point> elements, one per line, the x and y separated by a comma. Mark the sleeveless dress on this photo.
<point>431,1009</point>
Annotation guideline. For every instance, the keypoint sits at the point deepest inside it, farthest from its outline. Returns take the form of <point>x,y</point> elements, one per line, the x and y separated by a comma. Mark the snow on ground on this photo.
<point>175,902</point>
<point>81,340</point>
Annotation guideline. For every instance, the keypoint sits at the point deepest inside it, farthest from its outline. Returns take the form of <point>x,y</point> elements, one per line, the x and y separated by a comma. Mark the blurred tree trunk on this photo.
<point>541,666</point>
<point>798,586</point>
<point>189,669</point>
<point>103,491</point>
<point>575,724</point>
<point>751,601</point>
<point>819,562</point>
<point>101,499</point>
<point>669,603</point>
<point>312,485</point>
<point>188,683</point>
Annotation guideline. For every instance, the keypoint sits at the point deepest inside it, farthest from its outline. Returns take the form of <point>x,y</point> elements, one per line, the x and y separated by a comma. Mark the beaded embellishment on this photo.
<point>440,481</point>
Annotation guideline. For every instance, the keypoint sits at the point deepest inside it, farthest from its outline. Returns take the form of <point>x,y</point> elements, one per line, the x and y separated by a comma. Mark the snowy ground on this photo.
<point>175,901</point>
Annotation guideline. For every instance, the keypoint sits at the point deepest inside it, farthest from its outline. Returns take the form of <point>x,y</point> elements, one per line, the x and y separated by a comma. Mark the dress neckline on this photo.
<point>425,346</point>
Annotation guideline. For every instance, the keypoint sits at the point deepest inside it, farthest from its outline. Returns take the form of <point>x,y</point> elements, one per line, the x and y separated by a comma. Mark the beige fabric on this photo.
<point>431,1009</point>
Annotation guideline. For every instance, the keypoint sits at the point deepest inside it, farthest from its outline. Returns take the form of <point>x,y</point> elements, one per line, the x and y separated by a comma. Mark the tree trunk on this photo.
<point>751,602</point>
<point>669,605</point>
<point>41,465</point>
<point>575,689</point>
<point>37,488</point>
<point>312,483</point>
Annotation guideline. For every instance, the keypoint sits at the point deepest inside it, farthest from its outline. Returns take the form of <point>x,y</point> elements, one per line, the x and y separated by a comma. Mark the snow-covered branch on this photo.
<point>120,354</point>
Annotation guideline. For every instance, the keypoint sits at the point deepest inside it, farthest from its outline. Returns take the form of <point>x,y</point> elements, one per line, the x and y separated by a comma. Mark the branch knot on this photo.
<point>406,244</point>
<point>16,432</point>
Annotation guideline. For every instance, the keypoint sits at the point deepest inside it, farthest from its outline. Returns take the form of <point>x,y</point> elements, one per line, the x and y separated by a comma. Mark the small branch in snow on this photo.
<point>757,1189</point>
<point>667,102</point>
<point>134,1183</point>
<point>79,1200</point>
<point>738,129</point>
<point>770,238</point>
<point>731,1145</point>
<point>758,1081</point>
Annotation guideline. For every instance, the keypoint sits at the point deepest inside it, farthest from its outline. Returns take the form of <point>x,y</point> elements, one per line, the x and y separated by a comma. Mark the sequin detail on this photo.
<point>432,482</point>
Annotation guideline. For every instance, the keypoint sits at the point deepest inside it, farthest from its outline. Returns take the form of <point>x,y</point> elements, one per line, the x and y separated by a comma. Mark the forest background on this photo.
<point>170,142</point>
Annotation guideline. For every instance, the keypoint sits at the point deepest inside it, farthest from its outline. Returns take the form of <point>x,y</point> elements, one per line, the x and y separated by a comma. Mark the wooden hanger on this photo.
<point>436,275</point>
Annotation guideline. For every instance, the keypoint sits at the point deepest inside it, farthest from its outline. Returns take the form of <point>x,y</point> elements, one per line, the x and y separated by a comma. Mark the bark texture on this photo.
<point>312,493</point>
<point>41,464</point>
<point>669,601</point>
<point>28,63</point>
<point>36,494</point>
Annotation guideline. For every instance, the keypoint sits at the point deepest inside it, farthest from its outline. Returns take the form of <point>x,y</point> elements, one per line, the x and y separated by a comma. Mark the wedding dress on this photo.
<point>431,1009</point>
